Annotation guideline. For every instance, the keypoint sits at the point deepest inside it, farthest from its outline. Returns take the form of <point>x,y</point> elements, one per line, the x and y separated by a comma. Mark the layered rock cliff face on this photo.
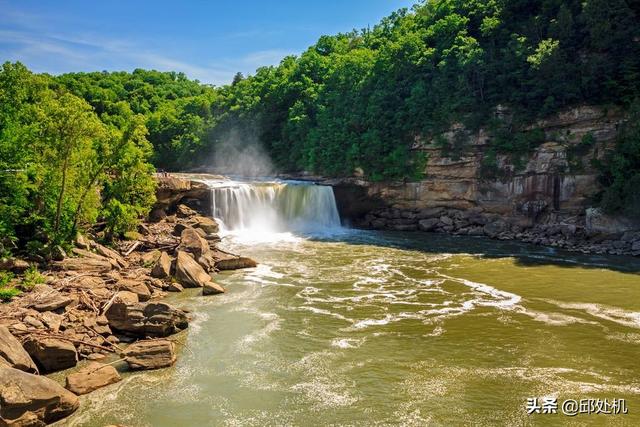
<point>547,201</point>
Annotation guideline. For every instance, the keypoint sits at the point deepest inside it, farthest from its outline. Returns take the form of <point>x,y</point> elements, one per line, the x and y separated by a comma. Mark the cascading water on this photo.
<point>274,207</point>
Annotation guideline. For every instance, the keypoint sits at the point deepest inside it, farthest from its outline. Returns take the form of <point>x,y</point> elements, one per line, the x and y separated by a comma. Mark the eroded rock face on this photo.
<point>92,377</point>
<point>33,400</point>
<point>51,354</point>
<point>150,354</point>
<point>146,319</point>
<point>12,352</point>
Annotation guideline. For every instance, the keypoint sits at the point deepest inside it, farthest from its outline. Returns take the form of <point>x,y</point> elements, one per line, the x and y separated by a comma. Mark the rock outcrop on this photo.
<point>162,267</point>
<point>544,198</point>
<point>150,354</point>
<point>33,400</point>
<point>189,273</point>
<point>146,319</point>
<point>51,354</point>
<point>12,352</point>
<point>91,378</point>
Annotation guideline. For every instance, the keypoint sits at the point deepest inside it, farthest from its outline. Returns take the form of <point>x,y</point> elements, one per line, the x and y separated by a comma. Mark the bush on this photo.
<point>31,278</point>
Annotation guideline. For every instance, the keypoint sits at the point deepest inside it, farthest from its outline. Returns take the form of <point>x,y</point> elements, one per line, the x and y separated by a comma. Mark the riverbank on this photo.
<point>97,302</point>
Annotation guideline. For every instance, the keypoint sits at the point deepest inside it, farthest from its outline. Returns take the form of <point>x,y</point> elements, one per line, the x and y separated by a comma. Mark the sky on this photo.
<point>207,40</point>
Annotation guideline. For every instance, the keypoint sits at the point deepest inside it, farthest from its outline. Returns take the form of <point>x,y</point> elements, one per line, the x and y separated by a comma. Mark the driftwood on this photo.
<point>132,248</point>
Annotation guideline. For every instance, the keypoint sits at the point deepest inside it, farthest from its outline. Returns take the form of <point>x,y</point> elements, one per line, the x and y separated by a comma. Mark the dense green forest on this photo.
<point>77,148</point>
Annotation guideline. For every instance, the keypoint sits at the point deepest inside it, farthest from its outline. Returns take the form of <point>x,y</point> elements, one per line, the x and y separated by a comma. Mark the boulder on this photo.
<point>92,377</point>
<point>428,224</point>
<point>208,225</point>
<point>82,242</point>
<point>178,229</point>
<point>212,288</point>
<point>133,286</point>
<point>495,228</point>
<point>150,354</point>
<point>157,215</point>
<point>12,352</point>
<point>150,258</point>
<point>162,267</point>
<point>597,223</point>
<point>51,354</point>
<point>430,213</point>
<point>146,319</point>
<point>14,264</point>
<point>126,297</point>
<point>227,261</point>
<point>45,298</point>
<point>189,273</point>
<point>110,254</point>
<point>446,220</point>
<point>33,400</point>
<point>174,287</point>
<point>190,241</point>
<point>183,211</point>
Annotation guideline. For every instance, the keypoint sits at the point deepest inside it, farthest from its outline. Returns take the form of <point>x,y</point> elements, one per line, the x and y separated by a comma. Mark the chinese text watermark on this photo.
<point>573,407</point>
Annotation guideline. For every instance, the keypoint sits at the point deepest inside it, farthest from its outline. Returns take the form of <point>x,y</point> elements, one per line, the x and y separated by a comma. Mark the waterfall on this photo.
<point>274,206</point>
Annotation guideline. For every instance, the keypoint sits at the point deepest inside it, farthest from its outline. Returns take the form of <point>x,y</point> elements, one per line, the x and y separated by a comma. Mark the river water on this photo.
<point>348,327</point>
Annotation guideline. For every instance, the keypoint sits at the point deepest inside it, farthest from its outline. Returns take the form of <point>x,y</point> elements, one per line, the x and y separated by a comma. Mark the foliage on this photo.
<point>77,148</point>
<point>7,291</point>
<point>31,278</point>
<point>61,165</point>
<point>620,170</point>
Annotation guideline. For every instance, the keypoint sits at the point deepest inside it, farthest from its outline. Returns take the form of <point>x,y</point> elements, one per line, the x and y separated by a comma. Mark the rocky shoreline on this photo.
<point>594,234</point>
<point>103,302</point>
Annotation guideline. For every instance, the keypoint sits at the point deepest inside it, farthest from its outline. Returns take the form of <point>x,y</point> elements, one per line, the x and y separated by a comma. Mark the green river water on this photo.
<point>364,328</point>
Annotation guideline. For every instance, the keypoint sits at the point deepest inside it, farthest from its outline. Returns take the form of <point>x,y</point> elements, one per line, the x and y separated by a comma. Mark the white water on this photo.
<point>271,208</point>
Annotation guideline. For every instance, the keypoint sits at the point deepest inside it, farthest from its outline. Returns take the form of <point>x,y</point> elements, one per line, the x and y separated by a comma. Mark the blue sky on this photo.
<point>208,40</point>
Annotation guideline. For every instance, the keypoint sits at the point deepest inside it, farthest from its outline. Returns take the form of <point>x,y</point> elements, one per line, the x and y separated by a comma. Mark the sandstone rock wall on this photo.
<point>554,188</point>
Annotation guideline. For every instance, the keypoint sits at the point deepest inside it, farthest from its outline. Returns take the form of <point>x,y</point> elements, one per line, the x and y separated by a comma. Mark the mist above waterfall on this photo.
<point>240,153</point>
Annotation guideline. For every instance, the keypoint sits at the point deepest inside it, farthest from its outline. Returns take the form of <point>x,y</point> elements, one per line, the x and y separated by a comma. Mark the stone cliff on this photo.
<point>546,200</point>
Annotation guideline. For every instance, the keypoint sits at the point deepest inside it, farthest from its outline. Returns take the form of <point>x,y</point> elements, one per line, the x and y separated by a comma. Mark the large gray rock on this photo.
<point>162,267</point>
<point>493,229</point>
<point>154,319</point>
<point>32,400</point>
<point>597,223</point>
<point>189,273</point>
<point>428,224</point>
<point>51,354</point>
<point>13,353</point>
<point>150,354</point>
<point>92,377</point>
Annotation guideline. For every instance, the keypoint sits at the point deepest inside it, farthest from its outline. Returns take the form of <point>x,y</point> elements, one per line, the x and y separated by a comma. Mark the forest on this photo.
<point>79,149</point>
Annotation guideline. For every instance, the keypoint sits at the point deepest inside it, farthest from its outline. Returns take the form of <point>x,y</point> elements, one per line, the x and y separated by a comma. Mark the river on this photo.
<point>348,327</point>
